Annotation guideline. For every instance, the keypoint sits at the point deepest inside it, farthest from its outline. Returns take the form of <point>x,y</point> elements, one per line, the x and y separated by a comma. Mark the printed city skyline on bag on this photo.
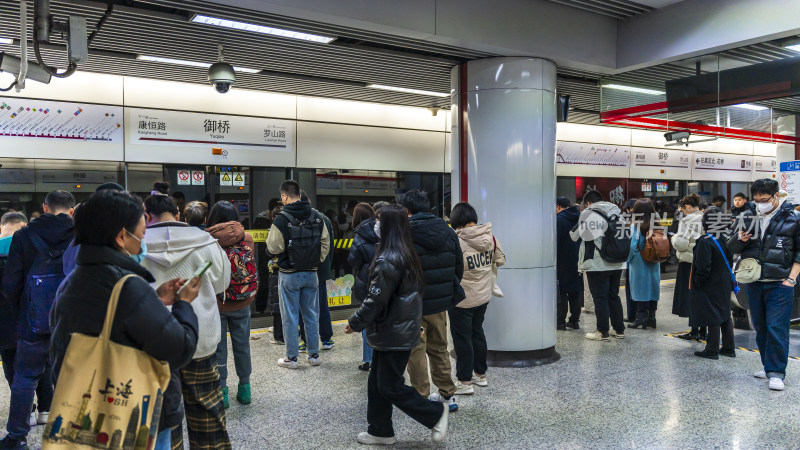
<point>123,428</point>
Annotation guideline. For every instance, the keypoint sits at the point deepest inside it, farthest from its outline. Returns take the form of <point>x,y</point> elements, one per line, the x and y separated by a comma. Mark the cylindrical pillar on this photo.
<point>510,130</point>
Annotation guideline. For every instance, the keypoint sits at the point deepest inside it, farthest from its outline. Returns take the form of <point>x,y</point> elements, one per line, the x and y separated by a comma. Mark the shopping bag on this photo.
<point>108,395</point>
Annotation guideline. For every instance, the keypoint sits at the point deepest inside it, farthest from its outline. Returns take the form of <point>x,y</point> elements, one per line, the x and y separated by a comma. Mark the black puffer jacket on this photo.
<point>780,247</point>
<point>392,311</point>
<point>569,280</point>
<point>442,262</point>
<point>141,320</point>
<point>362,252</point>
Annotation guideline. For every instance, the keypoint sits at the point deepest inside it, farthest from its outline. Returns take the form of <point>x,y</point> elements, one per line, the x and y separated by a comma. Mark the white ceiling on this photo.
<point>657,3</point>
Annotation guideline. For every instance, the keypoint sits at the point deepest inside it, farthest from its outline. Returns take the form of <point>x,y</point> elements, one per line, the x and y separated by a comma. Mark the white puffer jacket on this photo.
<point>590,220</point>
<point>690,228</point>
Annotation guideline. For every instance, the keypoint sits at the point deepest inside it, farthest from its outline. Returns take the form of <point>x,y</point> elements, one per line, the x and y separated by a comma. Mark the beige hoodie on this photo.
<point>480,250</point>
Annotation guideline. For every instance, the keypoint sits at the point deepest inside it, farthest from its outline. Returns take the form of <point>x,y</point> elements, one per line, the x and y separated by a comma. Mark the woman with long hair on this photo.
<point>690,228</point>
<point>645,277</point>
<point>362,252</point>
<point>392,314</point>
<point>234,304</point>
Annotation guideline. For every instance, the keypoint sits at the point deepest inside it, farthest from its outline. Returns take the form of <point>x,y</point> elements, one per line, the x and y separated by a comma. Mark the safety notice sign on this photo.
<point>198,178</point>
<point>238,178</point>
<point>225,179</point>
<point>184,177</point>
<point>790,180</point>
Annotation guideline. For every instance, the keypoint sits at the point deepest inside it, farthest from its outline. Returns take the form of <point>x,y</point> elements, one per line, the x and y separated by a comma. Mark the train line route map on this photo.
<point>39,119</point>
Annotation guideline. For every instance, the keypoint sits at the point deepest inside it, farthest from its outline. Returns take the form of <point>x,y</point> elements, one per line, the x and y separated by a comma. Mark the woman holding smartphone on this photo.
<point>391,314</point>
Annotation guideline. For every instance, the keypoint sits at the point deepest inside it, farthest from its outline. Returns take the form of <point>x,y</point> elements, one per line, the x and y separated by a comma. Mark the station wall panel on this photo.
<point>359,147</point>
<point>81,87</point>
<point>374,114</point>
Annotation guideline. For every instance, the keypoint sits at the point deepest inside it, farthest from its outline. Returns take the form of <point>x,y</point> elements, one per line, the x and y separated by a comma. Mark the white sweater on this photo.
<point>690,228</point>
<point>176,250</point>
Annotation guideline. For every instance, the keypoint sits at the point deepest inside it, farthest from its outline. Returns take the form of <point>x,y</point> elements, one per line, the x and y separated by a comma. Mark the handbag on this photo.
<point>727,264</point>
<point>496,291</point>
<point>656,247</point>
<point>748,271</point>
<point>108,395</point>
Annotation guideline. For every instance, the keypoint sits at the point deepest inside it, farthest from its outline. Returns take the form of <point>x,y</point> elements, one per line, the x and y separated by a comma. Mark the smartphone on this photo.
<point>198,273</point>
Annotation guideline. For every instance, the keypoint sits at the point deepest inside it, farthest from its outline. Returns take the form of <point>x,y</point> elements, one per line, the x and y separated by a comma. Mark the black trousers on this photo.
<point>466,326</point>
<point>277,326</point>
<point>572,301</point>
<point>712,341</point>
<point>630,305</point>
<point>387,387</point>
<point>604,287</point>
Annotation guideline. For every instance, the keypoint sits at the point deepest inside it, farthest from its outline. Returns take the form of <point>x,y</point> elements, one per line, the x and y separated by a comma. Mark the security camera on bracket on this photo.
<point>221,74</point>
<point>678,138</point>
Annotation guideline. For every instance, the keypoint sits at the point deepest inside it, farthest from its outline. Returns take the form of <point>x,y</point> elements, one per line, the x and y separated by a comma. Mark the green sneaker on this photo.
<point>303,348</point>
<point>243,394</point>
<point>225,400</point>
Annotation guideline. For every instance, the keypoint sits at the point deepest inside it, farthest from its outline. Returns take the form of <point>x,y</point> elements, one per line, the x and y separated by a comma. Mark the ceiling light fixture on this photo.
<point>4,41</point>
<point>260,29</point>
<point>622,87</point>
<point>182,62</point>
<point>407,90</point>
<point>795,47</point>
<point>751,107</point>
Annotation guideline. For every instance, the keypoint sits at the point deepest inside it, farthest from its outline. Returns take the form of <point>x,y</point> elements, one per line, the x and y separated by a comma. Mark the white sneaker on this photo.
<point>761,374</point>
<point>776,384</point>
<point>480,381</point>
<point>287,363</point>
<point>314,360</point>
<point>439,430</point>
<point>32,419</point>
<point>464,389</point>
<point>42,419</point>
<point>368,439</point>
<point>616,335</point>
<point>597,336</point>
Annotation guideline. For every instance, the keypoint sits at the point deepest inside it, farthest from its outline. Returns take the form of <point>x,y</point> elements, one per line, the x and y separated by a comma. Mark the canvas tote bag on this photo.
<point>108,395</point>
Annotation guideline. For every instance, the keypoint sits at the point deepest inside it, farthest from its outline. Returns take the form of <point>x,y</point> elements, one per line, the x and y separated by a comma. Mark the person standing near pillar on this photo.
<point>603,276</point>
<point>570,281</point>
<point>442,267</point>
<point>690,228</point>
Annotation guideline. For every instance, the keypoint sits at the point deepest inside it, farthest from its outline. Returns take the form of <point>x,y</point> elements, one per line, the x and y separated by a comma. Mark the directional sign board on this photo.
<point>238,178</point>
<point>184,177</point>
<point>790,180</point>
<point>226,179</point>
<point>198,178</point>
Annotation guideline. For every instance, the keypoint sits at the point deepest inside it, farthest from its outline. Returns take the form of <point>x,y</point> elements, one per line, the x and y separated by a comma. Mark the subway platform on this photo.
<point>647,391</point>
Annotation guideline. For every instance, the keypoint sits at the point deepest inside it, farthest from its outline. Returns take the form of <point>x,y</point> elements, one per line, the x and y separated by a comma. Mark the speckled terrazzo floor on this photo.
<point>647,391</point>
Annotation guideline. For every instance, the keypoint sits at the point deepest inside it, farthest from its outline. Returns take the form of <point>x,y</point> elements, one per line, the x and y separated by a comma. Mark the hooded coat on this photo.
<point>593,262</point>
<point>690,228</point>
<point>227,235</point>
<point>481,251</point>
<point>362,252</point>
<point>141,320</point>
<point>442,262</point>
<point>569,279</point>
<point>711,287</point>
<point>177,250</point>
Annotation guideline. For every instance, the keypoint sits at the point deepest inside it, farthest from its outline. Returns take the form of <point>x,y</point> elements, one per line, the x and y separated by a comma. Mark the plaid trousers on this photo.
<point>205,412</point>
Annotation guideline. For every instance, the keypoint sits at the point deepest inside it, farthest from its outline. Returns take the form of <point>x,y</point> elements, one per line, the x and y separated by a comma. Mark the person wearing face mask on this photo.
<point>29,288</point>
<point>110,229</point>
<point>362,252</point>
<point>771,237</point>
<point>176,249</point>
<point>690,228</point>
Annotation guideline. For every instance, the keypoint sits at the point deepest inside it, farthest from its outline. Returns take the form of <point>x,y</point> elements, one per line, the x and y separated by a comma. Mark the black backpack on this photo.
<point>42,281</point>
<point>304,242</point>
<point>616,242</point>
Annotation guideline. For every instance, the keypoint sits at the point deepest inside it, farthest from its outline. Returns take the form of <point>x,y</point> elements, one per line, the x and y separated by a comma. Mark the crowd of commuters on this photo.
<point>414,273</point>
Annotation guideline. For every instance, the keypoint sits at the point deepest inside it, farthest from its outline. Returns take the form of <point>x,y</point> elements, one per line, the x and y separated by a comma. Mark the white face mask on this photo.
<point>377,228</point>
<point>764,208</point>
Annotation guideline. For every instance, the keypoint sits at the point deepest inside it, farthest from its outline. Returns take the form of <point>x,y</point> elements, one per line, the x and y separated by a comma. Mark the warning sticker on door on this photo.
<point>238,178</point>
<point>198,178</point>
<point>183,178</point>
<point>225,179</point>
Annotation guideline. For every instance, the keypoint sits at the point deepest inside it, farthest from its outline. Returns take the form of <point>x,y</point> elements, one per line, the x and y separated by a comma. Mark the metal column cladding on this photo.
<point>511,139</point>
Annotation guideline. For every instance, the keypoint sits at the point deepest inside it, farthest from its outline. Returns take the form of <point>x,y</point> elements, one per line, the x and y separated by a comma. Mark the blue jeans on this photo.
<point>771,310</point>
<point>298,292</point>
<point>366,352</point>
<point>164,440</point>
<point>325,326</point>
<point>238,323</point>
<point>32,366</point>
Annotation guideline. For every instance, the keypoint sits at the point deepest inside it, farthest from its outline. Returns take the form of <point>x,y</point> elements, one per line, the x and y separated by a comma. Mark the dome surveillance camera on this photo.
<point>222,76</point>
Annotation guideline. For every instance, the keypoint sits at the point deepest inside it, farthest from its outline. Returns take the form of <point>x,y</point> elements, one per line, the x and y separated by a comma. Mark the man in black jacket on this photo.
<point>740,205</point>
<point>44,239</point>
<point>772,237</point>
<point>442,266</point>
<point>570,281</point>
